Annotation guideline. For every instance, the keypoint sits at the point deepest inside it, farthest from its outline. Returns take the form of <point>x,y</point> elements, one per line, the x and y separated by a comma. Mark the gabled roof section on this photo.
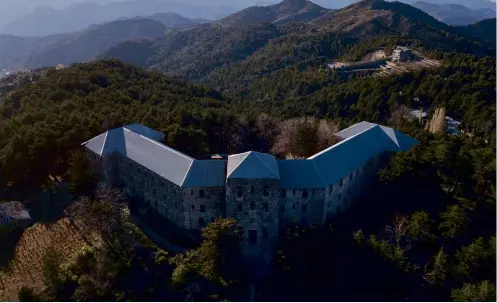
<point>108,142</point>
<point>295,174</point>
<point>403,142</point>
<point>361,142</point>
<point>206,173</point>
<point>355,129</point>
<point>159,158</point>
<point>114,142</point>
<point>145,131</point>
<point>252,165</point>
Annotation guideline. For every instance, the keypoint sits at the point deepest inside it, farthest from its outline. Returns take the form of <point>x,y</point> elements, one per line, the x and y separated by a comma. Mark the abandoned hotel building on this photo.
<point>261,192</point>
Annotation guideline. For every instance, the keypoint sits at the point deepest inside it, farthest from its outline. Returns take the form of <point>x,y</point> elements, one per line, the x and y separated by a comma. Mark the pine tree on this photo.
<point>481,292</point>
<point>436,272</point>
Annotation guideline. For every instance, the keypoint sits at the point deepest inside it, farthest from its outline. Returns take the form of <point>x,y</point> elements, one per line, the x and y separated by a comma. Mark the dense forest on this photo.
<point>437,240</point>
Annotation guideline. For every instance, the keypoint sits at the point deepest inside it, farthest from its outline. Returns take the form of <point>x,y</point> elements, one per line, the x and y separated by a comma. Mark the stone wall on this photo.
<point>160,194</point>
<point>301,206</point>
<point>254,204</point>
<point>261,208</point>
<point>202,205</point>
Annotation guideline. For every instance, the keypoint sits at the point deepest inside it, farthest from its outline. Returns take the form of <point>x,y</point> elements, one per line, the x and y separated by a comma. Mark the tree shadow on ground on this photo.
<point>327,265</point>
<point>9,238</point>
<point>334,267</point>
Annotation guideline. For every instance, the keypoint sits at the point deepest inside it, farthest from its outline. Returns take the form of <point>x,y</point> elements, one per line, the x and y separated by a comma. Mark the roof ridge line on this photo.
<point>396,140</point>
<point>318,172</point>
<point>161,145</point>
<point>105,141</point>
<point>276,175</point>
<point>340,143</point>
<point>187,172</point>
<point>234,168</point>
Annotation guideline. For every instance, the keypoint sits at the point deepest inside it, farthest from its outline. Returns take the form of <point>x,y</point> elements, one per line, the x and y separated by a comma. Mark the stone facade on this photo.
<point>261,207</point>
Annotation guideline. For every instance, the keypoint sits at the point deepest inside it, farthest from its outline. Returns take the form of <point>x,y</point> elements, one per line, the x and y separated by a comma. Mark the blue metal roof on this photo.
<point>355,129</point>
<point>296,174</point>
<point>359,143</point>
<point>206,173</point>
<point>145,131</point>
<point>252,165</point>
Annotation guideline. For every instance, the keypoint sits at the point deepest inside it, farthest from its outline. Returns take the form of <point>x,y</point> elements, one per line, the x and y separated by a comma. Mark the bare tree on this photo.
<point>437,123</point>
<point>303,137</point>
<point>399,114</point>
<point>326,134</point>
<point>268,128</point>
<point>399,228</point>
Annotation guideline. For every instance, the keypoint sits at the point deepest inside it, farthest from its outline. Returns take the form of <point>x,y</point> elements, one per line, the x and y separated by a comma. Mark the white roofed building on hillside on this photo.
<point>261,192</point>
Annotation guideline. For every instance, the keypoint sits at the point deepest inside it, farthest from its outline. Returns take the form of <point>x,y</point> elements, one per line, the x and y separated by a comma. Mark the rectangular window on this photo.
<point>304,208</point>
<point>239,207</point>
<point>265,207</point>
<point>252,189</point>
<point>283,193</point>
<point>266,191</point>
<point>191,192</point>
<point>252,204</point>
<point>265,234</point>
<point>304,193</point>
<point>253,237</point>
<point>208,194</point>
<point>294,192</point>
<point>193,207</point>
<point>201,193</point>
<point>350,176</point>
<point>239,192</point>
<point>313,192</point>
<point>341,182</point>
<point>331,189</point>
<point>202,208</point>
<point>201,222</point>
<point>282,208</point>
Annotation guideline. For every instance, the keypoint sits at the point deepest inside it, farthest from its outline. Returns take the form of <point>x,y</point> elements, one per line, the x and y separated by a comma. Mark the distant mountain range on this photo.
<point>83,45</point>
<point>285,11</point>
<point>221,53</point>
<point>46,21</point>
<point>455,14</point>
<point>473,4</point>
<point>484,30</point>
<point>195,48</point>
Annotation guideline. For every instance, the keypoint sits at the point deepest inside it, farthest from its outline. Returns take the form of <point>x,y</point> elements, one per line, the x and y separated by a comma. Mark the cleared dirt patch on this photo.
<point>27,266</point>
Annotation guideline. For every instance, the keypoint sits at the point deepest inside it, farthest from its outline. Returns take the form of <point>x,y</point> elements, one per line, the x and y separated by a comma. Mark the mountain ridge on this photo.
<point>48,21</point>
<point>454,14</point>
<point>284,11</point>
